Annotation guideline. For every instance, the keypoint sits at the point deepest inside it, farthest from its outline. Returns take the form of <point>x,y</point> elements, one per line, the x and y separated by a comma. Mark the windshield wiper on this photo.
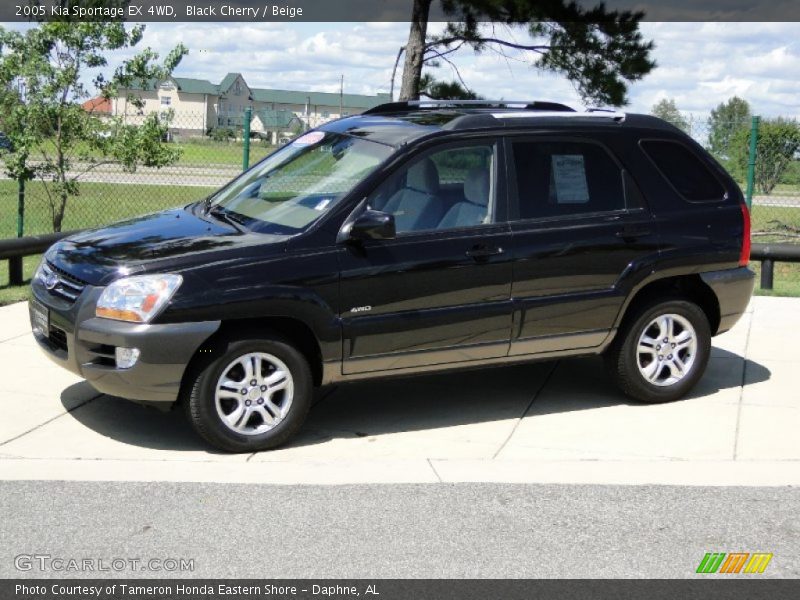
<point>222,215</point>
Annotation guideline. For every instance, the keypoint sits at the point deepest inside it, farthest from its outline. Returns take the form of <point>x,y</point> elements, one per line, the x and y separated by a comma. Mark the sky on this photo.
<point>699,65</point>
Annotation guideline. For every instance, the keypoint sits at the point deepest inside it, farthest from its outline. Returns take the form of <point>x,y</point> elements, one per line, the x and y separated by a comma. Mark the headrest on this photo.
<point>476,186</point>
<point>423,177</point>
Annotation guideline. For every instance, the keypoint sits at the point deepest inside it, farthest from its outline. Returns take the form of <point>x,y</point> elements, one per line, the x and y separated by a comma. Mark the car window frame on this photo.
<point>498,185</point>
<point>514,202</point>
<point>698,156</point>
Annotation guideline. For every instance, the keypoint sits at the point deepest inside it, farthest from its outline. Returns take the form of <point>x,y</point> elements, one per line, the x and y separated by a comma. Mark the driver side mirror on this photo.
<point>372,225</point>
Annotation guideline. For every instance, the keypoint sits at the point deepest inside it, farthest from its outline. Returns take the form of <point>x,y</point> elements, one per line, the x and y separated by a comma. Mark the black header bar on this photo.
<point>710,588</point>
<point>265,11</point>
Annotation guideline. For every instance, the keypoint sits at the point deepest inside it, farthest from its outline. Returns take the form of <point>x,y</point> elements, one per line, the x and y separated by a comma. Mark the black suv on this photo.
<point>415,237</point>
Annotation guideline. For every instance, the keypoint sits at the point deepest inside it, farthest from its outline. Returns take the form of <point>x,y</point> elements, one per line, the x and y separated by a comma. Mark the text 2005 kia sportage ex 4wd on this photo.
<point>415,237</point>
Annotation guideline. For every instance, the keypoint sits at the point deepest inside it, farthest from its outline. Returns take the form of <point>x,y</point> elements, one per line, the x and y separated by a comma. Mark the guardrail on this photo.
<point>15,249</point>
<point>768,255</point>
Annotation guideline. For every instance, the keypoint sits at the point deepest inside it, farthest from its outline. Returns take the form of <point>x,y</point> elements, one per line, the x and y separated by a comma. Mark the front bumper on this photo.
<point>85,345</point>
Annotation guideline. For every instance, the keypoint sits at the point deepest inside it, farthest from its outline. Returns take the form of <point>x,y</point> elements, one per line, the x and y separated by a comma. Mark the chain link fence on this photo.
<point>772,182</point>
<point>211,156</point>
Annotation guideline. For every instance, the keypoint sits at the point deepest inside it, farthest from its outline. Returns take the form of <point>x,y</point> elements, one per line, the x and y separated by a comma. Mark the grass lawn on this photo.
<point>10,294</point>
<point>205,151</point>
<point>785,279</point>
<point>777,219</point>
<point>98,204</point>
<point>783,189</point>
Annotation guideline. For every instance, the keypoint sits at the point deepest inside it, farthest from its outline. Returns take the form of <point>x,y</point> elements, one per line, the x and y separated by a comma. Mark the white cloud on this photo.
<point>699,64</point>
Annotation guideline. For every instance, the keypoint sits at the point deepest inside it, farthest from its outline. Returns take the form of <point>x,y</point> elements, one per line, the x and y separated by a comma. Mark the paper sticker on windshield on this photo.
<point>323,204</point>
<point>312,137</point>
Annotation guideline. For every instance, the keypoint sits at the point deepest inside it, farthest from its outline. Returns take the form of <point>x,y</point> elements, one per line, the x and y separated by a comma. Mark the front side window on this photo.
<point>564,178</point>
<point>295,186</point>
<point>448,189</point>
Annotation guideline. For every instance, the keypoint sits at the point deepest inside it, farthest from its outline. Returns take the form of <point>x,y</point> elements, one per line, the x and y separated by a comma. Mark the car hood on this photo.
<point>173,239</point>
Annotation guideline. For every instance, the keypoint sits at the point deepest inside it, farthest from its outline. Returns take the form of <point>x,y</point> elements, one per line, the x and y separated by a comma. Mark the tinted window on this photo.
<point>684,170</point>
<point>565,178</point>
<point>447,189</point>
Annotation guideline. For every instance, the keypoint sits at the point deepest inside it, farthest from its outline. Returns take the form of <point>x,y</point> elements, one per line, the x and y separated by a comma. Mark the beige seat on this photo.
<point>475,209</point>
<point>416,206</point>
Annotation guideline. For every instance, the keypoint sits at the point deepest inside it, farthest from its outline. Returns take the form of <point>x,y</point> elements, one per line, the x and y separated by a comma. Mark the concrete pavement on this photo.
<point>554,422</point>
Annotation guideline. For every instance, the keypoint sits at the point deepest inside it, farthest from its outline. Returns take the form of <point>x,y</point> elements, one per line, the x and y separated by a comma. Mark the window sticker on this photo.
<point>310,138</point>
<point>569,177</point>
<point>323,204</point>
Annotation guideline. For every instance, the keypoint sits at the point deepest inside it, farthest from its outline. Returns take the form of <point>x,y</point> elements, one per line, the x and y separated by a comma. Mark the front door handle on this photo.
<point>631,232</point>
<point>483,251</point>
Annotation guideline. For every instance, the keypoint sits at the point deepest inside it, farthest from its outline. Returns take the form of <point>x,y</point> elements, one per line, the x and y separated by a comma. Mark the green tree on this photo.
<point>222,134</point>
<point>600,51</point>
<point>727,119</point>
<point>777,145</point>
<point>443,90</point>
<point>53,139</point>
<point>667,109</point>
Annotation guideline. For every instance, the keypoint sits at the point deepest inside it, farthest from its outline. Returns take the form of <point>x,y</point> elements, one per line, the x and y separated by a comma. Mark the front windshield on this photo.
<point>296,185</point>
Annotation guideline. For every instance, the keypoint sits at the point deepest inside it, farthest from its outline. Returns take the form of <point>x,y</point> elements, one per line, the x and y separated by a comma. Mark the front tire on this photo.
<point>662,351</point>
<point>254,396</point>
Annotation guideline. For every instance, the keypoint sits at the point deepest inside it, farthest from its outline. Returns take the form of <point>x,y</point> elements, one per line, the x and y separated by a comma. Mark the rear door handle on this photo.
<point>631,232</point>
<point>482,251</point>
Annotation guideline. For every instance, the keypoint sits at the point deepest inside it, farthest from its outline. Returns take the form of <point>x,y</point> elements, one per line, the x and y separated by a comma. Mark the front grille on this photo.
<point>61,284</point>
<point>58,338</point>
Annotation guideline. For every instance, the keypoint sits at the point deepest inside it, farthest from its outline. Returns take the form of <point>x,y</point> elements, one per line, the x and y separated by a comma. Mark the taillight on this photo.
<point>744,256</point>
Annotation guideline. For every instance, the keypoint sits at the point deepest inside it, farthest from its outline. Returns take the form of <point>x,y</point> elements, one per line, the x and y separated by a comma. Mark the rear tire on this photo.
<point>253,396</point>
<point>661,352</point>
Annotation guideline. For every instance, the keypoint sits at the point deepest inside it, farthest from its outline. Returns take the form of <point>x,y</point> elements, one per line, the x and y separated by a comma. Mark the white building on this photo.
<point>199,105</point>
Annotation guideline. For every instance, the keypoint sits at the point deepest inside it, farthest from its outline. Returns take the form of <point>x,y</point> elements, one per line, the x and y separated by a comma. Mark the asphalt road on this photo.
<point>407,531</point>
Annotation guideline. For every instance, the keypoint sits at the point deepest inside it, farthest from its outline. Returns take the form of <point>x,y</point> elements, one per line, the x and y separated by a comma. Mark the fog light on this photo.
<point>126,357</point>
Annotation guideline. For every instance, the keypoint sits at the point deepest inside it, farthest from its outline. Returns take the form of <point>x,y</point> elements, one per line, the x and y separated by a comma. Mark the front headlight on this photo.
<point>39,274</point>
<point>138,298</point>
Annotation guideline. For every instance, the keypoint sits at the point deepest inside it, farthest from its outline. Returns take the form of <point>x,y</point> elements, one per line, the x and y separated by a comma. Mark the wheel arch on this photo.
<point>690,287</point>
<point>291,329</point>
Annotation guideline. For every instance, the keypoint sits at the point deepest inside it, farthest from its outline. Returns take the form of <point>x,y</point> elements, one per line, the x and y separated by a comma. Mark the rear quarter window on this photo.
<point>684,170</point>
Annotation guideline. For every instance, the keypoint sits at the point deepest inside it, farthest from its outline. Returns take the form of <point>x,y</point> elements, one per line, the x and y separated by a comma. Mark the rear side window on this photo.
<point>556,179</point>
<point>684,170</point>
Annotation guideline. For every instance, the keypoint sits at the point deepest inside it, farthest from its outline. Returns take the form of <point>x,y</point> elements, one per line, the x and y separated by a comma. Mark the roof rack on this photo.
<point>415,105</point>
<point>601,109</point>
<point>589,114</point>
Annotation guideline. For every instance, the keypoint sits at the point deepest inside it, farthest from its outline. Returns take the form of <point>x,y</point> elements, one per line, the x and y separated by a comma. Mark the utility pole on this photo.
<point>341,96</point>
<point>248,116</point>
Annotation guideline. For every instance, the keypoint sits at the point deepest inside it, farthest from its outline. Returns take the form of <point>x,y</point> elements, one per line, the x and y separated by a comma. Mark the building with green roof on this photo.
<point>198,105</point>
